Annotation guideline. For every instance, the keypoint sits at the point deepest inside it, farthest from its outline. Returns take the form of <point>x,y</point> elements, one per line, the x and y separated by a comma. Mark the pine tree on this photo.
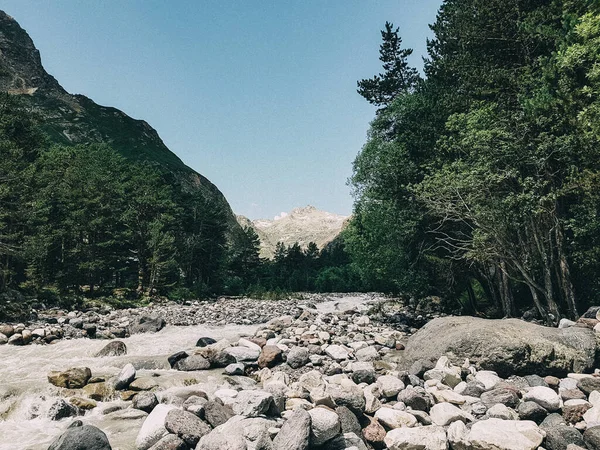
<point>398,76</point>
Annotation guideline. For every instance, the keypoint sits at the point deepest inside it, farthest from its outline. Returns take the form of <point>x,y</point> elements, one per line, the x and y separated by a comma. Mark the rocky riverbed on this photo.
<point>327,375</point>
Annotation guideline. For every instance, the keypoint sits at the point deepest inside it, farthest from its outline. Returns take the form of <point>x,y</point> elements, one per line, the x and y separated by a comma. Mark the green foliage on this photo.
<point>480,183</point>
<point>398,76</point>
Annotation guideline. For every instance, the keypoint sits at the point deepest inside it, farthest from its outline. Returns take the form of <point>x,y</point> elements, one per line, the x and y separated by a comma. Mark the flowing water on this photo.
<point>26,395</point>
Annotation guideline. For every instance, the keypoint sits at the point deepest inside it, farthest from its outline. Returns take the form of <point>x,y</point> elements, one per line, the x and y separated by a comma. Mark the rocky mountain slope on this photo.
<point>302,225</point>
<point>75,119</point>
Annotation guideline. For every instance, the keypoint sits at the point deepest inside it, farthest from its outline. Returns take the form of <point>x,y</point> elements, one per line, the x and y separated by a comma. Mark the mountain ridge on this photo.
<point>303,225</point>
<point>72,119</point>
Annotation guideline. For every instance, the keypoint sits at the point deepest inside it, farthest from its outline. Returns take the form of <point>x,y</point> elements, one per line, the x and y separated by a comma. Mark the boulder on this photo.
<point>216,413</point>
<point>591,438</point>
<point>543,396</point>
<point>337,352</point>
<point>61,409</point>
<point>114,348</point>
<point>297,357</point>
<point>78,437</point>
<point>421,438</point>
<point>558,438</point>
<point>374,433</point>
<point>270,356</point>
<point>389,386</point>
<point>145,401</point>
<point>325,425</point>
<point>176,357</point>
<point>74,378</point>
<point>186,426</point>
<point>146,324</point>
<point>191,363</point>
<point>394,418</point>
<point>444,414</point>
<point>170,442</point>
<point>153,429</point>
<point>242,354</point>
<point>506,346</point>
<point>235,369</point>
<point>125,377</point>
<point>239,433</point>
<point>205,342</point>
<point>295,432</point>
<point>532,411</point>
<point>492,434</point>
<point>252,403</point>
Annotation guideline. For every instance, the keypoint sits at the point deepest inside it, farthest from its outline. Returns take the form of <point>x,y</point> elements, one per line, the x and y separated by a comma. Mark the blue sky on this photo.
<point>258,96</point>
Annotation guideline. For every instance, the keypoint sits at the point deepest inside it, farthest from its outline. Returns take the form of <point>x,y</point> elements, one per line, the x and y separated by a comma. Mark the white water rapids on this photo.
<point>26,394</point>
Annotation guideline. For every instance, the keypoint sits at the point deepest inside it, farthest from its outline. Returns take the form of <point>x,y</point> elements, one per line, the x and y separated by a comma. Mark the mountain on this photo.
<point>302,225</point>
<point>76,119</point>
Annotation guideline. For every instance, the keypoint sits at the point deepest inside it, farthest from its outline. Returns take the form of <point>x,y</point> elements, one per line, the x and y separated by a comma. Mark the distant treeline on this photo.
<point>480,180</point>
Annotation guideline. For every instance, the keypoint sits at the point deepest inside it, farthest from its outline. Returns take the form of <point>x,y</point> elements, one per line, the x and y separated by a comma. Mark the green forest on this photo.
<point>479,183</point>
<point>480,178</point>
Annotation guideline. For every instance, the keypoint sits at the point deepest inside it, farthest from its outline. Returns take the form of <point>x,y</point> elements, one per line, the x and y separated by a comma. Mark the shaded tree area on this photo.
<point>294,269</point>
<point>479,182</point>
<point>85,220</point>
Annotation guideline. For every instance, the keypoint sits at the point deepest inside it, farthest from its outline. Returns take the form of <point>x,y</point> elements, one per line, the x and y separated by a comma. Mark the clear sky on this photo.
<point>258,96</point>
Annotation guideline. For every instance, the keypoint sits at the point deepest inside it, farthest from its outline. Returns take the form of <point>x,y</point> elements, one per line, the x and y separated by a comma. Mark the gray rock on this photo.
<point>125,377</point>
<point>552,420</point>
<point>146,324</point>
<point>507,346</point>
<point>252,403</point>
<point>414,399</point>
<point>81,437</point>
<point>145,401</point>
<point>205,342</point>
<point>532,411</point>
<point>348,421</point>
<point>367,376</point>
<point>558,438</point>
<point>176,357</point>
<point>170,442</point>
<point>589,384</point>
<point>591,438</point>
<point>297,357</point>
<point>535,380</point>
<point>114,348</point>
<point>216,413</point>
<point>325,425</point>
<point>235,369</point>
<point>61,409</point>
<point>349,395</point>
<point>505,396</point>
<point>243,353</point>
<point>191,363</point>
<point>421,438</point>
<point>346,441</point>
<point>187,426</point>
<point>153,429</point>
<point>295,432</point>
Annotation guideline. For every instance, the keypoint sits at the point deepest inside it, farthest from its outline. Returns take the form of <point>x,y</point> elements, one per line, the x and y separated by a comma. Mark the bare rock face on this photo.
<point>507,346</point>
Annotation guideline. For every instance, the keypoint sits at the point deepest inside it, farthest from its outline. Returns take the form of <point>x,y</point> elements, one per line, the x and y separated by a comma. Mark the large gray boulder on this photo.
<point>146,324</point>
<point>79,437</point>
<point>506,346</point>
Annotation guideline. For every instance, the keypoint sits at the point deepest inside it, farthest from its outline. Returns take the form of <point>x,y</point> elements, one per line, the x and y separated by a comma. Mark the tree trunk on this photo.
<point>565,279</point>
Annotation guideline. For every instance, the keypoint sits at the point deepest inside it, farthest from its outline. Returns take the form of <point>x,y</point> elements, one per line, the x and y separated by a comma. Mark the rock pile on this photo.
<point>335,381</point>
<point>105,323</point>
